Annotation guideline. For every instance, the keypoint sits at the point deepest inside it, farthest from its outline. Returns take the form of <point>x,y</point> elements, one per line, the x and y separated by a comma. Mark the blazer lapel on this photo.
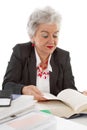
<point>53,75</point>
<point>32,68</point>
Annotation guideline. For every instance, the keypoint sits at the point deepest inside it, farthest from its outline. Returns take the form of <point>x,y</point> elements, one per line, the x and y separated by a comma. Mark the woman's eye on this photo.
<point>55,36</point>
<point>45,36</point>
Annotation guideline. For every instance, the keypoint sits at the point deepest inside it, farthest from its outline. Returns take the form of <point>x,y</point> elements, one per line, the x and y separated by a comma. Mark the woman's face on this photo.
<point>46,38</point>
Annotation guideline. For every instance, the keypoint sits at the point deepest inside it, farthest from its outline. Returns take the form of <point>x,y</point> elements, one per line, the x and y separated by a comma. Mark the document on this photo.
<point>68,103</point>
<point>32,121</point>
<point>20,106</point>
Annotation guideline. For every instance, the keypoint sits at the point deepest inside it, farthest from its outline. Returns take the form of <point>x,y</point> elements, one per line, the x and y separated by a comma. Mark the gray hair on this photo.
<point>39,16</point>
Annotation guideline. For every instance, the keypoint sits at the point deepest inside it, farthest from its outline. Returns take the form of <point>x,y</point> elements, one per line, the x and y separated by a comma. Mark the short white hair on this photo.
<point>46,15</point>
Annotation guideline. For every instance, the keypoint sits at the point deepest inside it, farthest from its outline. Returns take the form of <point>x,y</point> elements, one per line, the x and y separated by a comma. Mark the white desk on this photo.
<point>80,120</point>
<point>64,124</point>
<point>54,123</point>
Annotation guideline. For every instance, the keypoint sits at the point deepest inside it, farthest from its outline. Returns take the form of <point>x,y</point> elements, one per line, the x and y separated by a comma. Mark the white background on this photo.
<point>73,34</point>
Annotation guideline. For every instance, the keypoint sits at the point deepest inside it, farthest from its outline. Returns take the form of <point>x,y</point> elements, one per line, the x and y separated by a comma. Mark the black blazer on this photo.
<point>21,70</point>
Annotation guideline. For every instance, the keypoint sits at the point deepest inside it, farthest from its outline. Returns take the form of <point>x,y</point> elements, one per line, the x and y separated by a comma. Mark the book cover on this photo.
<point>5,98</point>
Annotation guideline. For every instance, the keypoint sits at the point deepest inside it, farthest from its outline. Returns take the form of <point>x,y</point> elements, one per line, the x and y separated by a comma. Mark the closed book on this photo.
<point>5,98</point>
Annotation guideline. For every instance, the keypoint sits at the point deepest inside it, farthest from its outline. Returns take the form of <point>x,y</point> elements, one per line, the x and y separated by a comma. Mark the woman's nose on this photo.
<point>51,39</point>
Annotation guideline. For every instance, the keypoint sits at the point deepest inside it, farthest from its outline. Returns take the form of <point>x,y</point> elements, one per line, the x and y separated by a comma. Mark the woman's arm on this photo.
<point>13,73</point>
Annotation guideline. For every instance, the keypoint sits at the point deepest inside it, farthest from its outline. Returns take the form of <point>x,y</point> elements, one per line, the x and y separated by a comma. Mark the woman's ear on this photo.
<point>33,42</point>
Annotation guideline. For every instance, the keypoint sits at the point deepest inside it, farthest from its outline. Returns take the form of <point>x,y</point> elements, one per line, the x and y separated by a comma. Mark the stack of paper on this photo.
<point>20,106</point>
<point>33,121</point>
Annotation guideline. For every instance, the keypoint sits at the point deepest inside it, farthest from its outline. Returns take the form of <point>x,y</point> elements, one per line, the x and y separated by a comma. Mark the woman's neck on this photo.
<point>43,57</point>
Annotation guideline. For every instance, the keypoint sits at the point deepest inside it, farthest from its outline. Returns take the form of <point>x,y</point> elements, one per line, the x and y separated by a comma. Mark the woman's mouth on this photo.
<point>50,47</point>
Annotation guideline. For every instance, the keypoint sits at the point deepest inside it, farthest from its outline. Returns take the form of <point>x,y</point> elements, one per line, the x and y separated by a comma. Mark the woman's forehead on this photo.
<point>48,27</point>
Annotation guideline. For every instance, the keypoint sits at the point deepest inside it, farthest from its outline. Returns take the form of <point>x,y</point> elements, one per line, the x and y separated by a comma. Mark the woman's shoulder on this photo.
<point>60,55</point>
<point>22,49</point>
<point>60,52</point>
<point>23,46</point>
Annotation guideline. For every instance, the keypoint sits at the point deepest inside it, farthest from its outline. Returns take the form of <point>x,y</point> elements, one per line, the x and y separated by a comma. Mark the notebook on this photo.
<point>5,98</point>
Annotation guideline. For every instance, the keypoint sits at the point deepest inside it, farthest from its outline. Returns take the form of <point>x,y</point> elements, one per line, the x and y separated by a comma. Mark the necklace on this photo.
<point>41,70</point>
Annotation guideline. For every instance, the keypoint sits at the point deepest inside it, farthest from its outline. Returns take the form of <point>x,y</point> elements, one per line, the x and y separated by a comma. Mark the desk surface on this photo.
<point>81,120</point>
<point>67,124</point>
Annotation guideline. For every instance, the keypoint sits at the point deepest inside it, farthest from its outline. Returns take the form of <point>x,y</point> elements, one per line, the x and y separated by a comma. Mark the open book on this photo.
<point>67,103</point>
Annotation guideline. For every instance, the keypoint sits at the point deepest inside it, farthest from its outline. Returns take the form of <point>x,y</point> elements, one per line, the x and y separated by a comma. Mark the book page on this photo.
<point>49,96</point>
<point>55,107</point>
<point>71,97</point>
<point>74,99</point>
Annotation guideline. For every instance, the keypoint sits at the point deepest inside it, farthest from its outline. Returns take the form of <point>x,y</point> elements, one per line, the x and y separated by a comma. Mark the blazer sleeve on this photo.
<point>13,73</point>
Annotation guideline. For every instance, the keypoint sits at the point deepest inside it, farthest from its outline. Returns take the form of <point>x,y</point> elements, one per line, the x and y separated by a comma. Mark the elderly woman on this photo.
<point>39,65</point>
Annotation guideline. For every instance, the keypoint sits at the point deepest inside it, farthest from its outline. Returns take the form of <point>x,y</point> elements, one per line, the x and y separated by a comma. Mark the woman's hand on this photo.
<point>84,92</point>
<point>33,90</point>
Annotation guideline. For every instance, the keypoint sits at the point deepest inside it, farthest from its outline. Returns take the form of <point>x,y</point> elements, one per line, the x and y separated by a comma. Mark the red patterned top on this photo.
<point>42,70</point>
